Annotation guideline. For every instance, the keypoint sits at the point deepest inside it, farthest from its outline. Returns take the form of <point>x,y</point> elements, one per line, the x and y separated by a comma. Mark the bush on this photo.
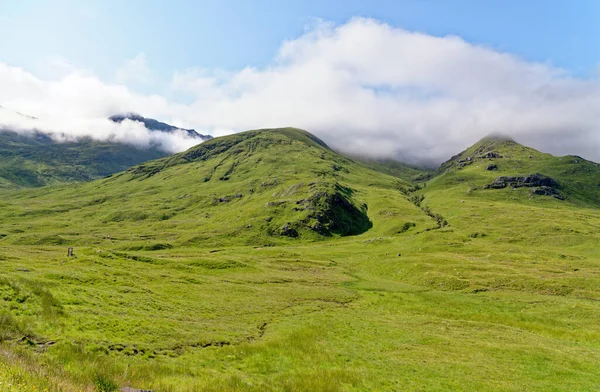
<point>406,226</point>
<point>104,383</point>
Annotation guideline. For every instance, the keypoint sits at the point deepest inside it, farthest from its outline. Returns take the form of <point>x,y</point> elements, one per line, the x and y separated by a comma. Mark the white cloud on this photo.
<point>135,71</point>
<point>364,87</point>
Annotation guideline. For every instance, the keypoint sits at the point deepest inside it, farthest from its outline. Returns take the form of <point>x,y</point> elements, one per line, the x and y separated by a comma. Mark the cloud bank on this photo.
<point>364,87</point>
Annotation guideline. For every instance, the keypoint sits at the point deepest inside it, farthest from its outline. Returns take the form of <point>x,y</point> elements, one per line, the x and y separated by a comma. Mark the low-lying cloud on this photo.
<point>364,87</point>
<point>75,128</point>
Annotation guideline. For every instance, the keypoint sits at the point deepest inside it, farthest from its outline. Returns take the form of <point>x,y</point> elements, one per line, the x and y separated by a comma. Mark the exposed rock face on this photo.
<point>547,191</point>
<point>532,180</point>
<point>288,231</point>
<point>491,155</point>
<point>542,185</point>
<point>334,213</point>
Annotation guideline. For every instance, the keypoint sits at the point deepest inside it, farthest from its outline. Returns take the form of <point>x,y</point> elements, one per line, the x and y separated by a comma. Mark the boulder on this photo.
<point>491,155</point>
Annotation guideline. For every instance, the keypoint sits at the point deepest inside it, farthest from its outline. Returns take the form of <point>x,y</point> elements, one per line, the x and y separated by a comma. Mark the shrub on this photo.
<point>104,383</point>
<point>406,226</point>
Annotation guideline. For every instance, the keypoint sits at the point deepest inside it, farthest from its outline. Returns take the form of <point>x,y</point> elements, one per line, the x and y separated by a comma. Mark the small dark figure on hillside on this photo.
<point>70,252</point>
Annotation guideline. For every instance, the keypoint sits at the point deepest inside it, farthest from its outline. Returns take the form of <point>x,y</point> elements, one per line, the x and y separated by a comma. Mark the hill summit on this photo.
<point>498,163</point>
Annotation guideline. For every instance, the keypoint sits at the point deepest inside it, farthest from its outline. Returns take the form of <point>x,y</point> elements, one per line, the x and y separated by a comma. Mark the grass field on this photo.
<point>264,261</point>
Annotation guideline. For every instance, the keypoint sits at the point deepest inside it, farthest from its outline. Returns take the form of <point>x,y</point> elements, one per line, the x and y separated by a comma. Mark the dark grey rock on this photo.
<point>547,191</point>
<point>531,180</point>
<point>289,231</point>
<point>491,155</point>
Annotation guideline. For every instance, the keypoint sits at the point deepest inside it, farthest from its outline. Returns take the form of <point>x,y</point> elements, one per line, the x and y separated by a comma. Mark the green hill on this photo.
<point>37,160</point>
<point>499,167</point>
<point>255,188</point>
<point>266,261</point>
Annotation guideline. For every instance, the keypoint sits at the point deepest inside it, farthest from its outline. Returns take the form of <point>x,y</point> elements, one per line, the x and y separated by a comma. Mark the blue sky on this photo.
<point>416,80</point>
<point>229,34</point>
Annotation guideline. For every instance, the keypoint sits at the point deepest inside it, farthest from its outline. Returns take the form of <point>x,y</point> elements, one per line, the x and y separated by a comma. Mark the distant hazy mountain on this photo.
<point>155,125</point>
<point>36,159</point>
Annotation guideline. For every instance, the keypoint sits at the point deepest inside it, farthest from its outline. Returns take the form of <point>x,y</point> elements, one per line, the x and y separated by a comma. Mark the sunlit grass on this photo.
<point>173,290</point>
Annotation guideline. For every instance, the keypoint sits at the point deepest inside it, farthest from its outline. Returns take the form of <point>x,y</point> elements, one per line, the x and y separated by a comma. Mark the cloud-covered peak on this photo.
<point>155,125</point>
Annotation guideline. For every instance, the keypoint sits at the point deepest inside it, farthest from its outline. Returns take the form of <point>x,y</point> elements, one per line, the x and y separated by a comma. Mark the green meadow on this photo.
<point>264,261</point>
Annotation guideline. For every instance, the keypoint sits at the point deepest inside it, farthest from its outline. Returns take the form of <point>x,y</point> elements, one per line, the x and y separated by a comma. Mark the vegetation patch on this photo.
<point>216,264</point>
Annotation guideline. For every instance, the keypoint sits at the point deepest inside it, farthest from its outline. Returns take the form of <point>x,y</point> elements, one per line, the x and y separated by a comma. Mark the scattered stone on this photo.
<point>227,199</point>
<point>22,269</point>
<point>128,389</point>
<point>491,155</point>
<point>464,162</point>
<point>277,203</point>
<point>492,167</point>
<point>399,254</point>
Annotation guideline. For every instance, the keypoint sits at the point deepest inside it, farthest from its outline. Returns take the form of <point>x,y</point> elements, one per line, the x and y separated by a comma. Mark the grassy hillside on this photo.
<point>38,160</point>
<point>395,168</point>
<point>265,261</point>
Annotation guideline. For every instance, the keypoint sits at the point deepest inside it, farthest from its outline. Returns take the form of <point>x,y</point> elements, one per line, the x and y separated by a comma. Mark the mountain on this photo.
<point>266,261</point>
<point>497,166</point>
<point>36,159</point>
<point>155,125</point>
<point>257,187</point>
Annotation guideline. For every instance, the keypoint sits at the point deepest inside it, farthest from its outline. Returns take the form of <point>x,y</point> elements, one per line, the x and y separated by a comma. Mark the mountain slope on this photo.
<point>258,186</point>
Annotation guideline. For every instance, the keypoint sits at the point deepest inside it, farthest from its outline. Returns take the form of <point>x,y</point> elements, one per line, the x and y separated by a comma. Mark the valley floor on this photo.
<point>426,310</point>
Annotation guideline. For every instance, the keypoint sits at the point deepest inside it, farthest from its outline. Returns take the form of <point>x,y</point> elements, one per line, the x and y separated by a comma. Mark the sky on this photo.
<point>416,80</point>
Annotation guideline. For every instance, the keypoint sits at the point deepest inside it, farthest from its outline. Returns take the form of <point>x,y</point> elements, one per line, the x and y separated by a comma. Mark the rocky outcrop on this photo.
<point>331,211</point>
<point>541,185</point>
<point>491,155</point>
<point>288,231</point>
<point>548,191</point>
<point>531,180</point>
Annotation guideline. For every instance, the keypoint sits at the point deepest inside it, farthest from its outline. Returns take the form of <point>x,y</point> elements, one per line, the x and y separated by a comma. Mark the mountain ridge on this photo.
<point>155,125</point>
